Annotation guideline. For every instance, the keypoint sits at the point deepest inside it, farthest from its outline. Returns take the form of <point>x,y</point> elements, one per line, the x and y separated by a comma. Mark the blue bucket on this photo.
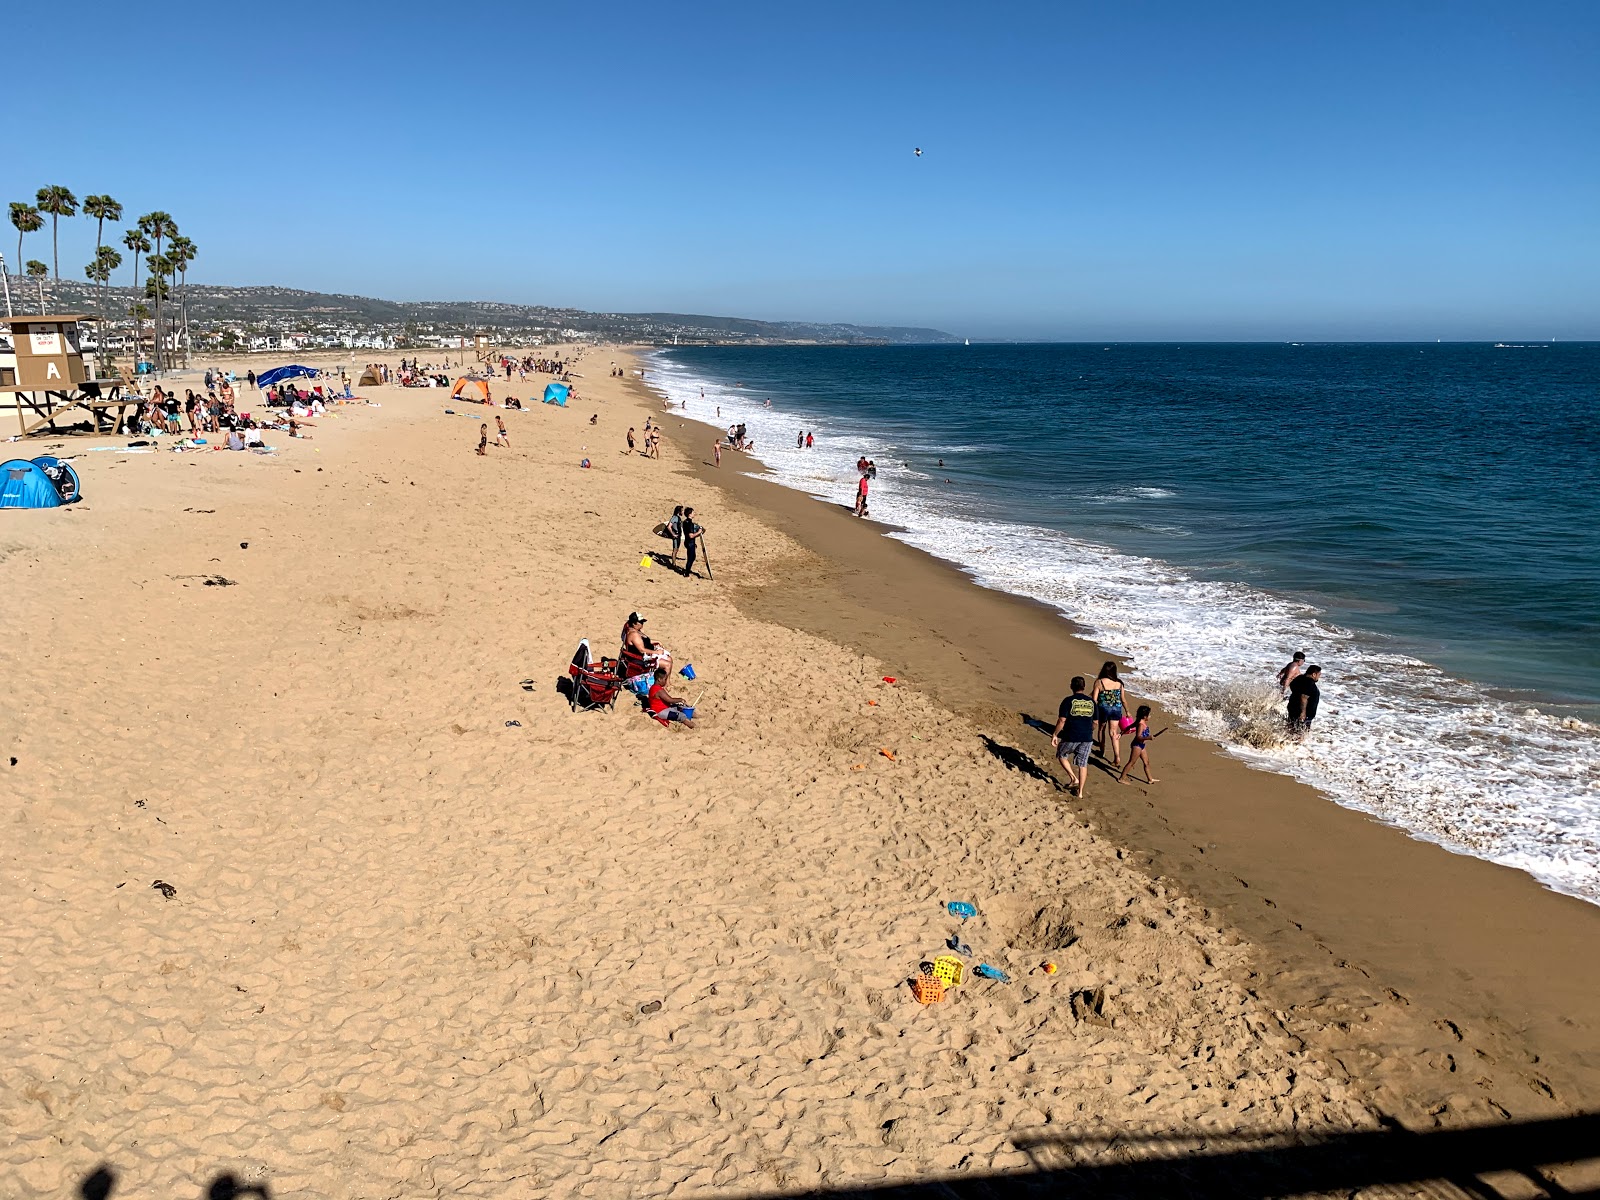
<point>687,712</point>
<point>687,670</point>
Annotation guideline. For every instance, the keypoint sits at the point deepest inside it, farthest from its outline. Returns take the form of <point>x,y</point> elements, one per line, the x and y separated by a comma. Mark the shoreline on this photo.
<point>1337,897</point>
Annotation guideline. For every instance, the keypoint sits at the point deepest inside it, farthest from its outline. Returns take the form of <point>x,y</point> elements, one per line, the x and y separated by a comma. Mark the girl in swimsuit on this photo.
<point>1142,737</point>
<point>1107,697</point>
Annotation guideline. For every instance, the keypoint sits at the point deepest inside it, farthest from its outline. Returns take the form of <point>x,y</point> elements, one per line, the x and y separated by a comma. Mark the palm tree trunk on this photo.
<point>183,309</point>
<point>161,356</point>
<point>55,245</point>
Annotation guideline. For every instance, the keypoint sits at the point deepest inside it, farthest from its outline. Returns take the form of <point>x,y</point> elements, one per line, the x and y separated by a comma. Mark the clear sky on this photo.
<point>1118,169</point>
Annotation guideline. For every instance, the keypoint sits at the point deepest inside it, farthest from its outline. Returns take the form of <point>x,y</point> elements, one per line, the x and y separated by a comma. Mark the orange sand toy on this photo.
<point>889,754</point>
<point>928,989</point>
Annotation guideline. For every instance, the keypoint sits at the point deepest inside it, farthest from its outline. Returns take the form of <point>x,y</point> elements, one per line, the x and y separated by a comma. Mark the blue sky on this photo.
<point>1122,169</point>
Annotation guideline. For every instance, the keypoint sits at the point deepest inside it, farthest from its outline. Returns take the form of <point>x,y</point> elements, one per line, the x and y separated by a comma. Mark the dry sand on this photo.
<point>411,945</point>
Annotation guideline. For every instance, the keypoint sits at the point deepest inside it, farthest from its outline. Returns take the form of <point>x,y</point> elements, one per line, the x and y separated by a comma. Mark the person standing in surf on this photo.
<point>861,496</point>
<point>1107,697</point>
<point>1304,696</point>
<point>1291,672</point>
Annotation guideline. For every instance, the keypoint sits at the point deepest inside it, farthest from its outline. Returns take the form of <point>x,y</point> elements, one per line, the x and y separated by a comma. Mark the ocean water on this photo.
<point>1422,520</point>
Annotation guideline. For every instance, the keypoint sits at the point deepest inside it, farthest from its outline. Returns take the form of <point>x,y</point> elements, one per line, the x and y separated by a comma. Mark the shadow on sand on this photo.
<point>1491,1162</point>
<point>1512,1160</point>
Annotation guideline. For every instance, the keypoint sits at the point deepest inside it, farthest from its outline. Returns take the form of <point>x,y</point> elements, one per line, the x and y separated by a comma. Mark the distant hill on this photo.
<point>278,309</point>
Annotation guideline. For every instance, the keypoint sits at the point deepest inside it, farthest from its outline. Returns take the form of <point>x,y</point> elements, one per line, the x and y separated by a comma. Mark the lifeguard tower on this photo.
<point>42,374</point>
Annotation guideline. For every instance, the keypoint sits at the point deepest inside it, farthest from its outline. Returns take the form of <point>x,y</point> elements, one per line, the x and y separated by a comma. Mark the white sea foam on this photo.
<point>1396,737</point>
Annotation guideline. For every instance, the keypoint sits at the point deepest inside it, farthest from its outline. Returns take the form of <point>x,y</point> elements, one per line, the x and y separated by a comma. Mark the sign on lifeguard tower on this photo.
<point>49,353</point>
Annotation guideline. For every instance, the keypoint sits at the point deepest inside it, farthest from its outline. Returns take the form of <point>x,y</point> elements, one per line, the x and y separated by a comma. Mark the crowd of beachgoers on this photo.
<point>215,412</point>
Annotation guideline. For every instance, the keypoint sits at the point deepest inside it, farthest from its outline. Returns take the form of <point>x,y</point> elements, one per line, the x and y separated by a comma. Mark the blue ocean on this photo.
<point>1422,520</point>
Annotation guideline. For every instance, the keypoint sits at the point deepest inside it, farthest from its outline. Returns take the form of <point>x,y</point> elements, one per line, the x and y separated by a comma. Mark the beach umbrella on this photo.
<point>278,374</point>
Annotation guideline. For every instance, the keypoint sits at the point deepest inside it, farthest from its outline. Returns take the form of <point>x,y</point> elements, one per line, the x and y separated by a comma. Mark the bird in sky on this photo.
<point>918,152</point>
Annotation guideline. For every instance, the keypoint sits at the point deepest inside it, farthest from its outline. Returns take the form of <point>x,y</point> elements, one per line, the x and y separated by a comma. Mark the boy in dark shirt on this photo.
<point>1304,696</point>
<point>1076,719</point>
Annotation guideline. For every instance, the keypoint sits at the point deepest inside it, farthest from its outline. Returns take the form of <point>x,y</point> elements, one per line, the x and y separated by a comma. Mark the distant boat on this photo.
<point>969,341</point>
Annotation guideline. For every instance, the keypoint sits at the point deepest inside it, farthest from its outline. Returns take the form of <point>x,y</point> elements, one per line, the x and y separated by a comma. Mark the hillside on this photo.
<point>275,310</point>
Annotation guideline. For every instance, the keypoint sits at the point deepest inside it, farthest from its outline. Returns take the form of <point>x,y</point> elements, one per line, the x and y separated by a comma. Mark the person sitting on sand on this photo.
<point>640,656</point>
<point>663,706</point>
<point>235,440</point>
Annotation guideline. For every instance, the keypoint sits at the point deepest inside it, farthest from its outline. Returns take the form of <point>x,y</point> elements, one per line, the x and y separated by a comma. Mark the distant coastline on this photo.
<point>233,319</point>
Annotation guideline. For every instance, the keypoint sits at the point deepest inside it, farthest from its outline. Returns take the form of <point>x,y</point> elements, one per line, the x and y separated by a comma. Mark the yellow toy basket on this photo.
<point>949,970</point>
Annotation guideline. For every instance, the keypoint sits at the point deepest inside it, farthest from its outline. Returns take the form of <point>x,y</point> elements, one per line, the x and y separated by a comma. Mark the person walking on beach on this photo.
<point>1291,672</point>
<point>1142,737</point>
<point>1073,737</point>
<point>483,439</point>
<point>1304,696</point>
<point>692,533</point>
<point>1107,696</point>
<point>861,496</point>
<point>716,452</point>
<point>630,439</point>
<point>502,438</point>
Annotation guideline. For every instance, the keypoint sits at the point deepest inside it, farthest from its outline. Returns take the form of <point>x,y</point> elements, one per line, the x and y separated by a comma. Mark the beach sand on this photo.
<point>415,950</point>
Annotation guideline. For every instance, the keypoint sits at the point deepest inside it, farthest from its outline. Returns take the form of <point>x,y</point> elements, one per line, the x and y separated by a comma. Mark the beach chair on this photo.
<point>594,684</point>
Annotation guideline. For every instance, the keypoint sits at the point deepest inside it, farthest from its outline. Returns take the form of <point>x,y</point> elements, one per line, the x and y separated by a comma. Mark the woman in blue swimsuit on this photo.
<point>1107,697</point>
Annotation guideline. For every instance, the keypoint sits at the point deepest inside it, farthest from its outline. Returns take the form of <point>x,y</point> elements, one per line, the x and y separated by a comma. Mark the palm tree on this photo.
<point>38,270</point>
<point>158,225</point>
<point>182,252</point>
<point>58,202</point>
<point>137,244</point>
<point>27,220</point>
<point>106,260</point>
<point>102,209</point>
<point>157,288</point>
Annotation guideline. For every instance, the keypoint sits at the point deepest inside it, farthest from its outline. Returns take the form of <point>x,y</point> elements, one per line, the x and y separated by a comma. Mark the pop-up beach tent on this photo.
<point>472,388</point>
<point>25,484</point>
<point>278,374</point>
<point>370,378</point>
<point>555,393</point>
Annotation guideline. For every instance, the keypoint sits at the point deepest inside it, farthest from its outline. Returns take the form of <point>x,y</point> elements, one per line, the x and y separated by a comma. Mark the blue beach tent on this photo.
<point>25,484</point>
<point>556,393</point>
<point>278,374</point>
